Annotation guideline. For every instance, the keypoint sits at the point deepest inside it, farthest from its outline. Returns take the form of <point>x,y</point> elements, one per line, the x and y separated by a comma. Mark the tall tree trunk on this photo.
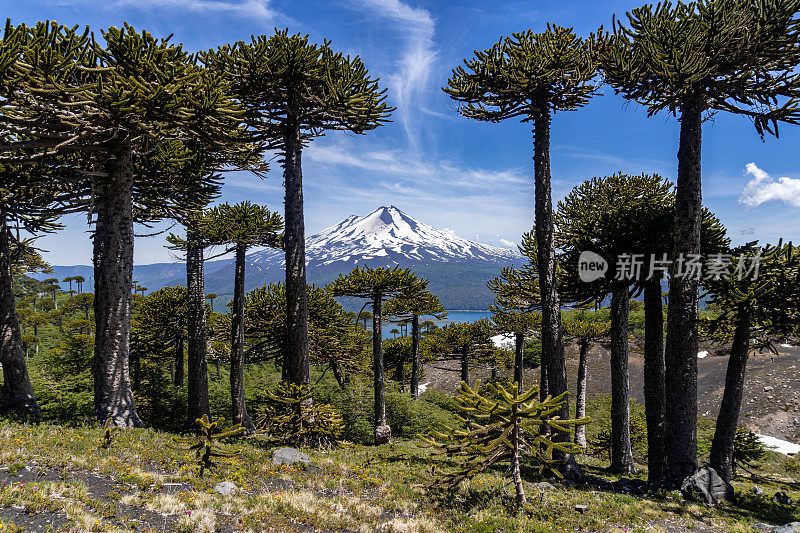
<point>621,453</point>
<point>197,387</point>
<point>240,415</point>
<point>337,373</point>
<point>465,364</point>
<point>543,390</point>
<point>296,360</point>
<point>382,431</point>
<point>519,352</point>
<point>515,470</point>
<point>682,320</point>
<point>721,457</point>
<point>415,356</point>
<point>179,361</point>
<point>16,395</point>
<point>654,390</point>
<point>580,393</point>
<point>552,341</point>
<point>398,373</point>
<point>113,279</point>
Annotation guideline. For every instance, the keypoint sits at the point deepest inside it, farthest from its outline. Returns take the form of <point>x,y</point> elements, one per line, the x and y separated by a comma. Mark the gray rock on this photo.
<point>768,388</point>
<point>544,485</point>
<point>781,497</point>
<point>707,486</point>
<point>793,527</point>
<point>758,491</point>
<point>289,456</point>
<point>226,488</point>
<point>761,526</point>
<point>382,434</point>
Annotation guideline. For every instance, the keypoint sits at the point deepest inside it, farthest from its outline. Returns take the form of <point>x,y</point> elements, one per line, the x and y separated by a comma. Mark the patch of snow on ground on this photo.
<point>423,387</point>
<point>781,446</point>
<point>702,355</point>
<point>786,346</point>
<point>504,340</point>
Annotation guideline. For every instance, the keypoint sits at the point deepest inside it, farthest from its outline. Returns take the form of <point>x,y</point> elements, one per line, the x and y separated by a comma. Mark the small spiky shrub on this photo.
<point>502,425</point>
<point>290,416</point>
<point>747,449</point>
<point>206,444</point>
<point>110,432</point>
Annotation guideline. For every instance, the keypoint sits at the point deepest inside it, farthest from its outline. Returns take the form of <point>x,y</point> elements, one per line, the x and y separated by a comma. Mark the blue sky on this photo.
<point>443,169</point>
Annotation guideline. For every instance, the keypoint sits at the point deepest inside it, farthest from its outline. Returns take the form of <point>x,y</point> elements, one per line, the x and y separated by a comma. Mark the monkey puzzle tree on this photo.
<point>377,285</point>
<point>294,91</point>
<point>627,220</point>
<point>332,338</point>
<point>411,306</point>
<point>126,104</point>
<point>242,226</point>
<point>531,76</point>
<point>692,59</point>
<point>515,297</point>
<point>751,307</point>
<point>585,331</point>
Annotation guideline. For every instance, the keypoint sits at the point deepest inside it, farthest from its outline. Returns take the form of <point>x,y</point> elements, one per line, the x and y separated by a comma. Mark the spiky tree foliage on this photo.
<point>242,226</point>
<point>627,218</point>
<point>748,311</point>
<point>412,306</point>
<point>515,295</point>
<point>693,59</point>
<point>130,106</point>
<point>378,285</point>
<point>585,331</point>
<point>287,419</point>
<point>466,341</point>
<point>206,445</point>
<point>294,91</point>
<point>530,76</point>
<point>504,426</point>
<point>158,332</point>
<point>332,338</point>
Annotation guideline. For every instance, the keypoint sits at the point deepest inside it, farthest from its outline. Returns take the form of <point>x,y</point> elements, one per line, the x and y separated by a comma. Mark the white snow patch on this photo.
<point>702,355</point>
<point>786,346</point>
<point>423,387</point>
<point>504,340</point>
<point>781,446</point>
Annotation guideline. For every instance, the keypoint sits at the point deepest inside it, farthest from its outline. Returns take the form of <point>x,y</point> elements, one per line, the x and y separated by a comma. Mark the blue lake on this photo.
<point>452,316</point>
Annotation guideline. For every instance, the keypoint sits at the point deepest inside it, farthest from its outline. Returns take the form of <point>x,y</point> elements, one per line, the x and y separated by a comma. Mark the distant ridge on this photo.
<point>457,268</point>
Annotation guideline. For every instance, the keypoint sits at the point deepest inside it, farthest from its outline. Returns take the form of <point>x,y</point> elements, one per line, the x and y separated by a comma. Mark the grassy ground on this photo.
<point>57,478</point>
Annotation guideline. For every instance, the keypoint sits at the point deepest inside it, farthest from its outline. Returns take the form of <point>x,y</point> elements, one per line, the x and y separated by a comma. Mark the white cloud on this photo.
<point>406,166</point>
<point>259,9</point>
<point>508,244</point>
<point>409,82</point>
<point>762,188</point>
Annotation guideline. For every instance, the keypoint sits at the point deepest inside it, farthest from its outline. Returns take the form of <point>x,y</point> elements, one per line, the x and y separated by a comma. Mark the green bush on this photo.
<point>532,353</point>
<point>599,432</point>
<point>409,418</point>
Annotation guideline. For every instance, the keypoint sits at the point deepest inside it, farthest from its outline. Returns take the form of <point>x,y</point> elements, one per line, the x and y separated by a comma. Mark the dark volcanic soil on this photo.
<point>771,402</point>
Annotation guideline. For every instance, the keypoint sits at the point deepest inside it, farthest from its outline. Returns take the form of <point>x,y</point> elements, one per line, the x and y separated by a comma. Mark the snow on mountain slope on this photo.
<point>386,236</point>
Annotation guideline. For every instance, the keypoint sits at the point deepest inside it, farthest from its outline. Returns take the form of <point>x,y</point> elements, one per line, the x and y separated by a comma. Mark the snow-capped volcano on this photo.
<point>387,236</point>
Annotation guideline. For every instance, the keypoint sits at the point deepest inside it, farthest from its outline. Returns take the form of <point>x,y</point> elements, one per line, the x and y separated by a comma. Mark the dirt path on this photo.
<point>771,401</point>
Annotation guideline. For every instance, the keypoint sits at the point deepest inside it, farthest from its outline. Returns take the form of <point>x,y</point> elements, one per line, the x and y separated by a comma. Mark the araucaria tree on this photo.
<point>126,104</point>
<point>750,309</point>
<point>531,76</point>
<point>377,285</point>
<point>627,219</point>
<point>294,91</point>
<point>242,226</point>
<point>692,59</point>
<point>411,306</point>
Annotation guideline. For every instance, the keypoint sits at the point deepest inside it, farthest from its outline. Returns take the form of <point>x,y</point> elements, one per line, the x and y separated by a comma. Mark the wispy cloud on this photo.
<point>507,243</point>
<point>255,9</point>
<point>407,166</point>
<point>410,81</point>
<point>762,188</point>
